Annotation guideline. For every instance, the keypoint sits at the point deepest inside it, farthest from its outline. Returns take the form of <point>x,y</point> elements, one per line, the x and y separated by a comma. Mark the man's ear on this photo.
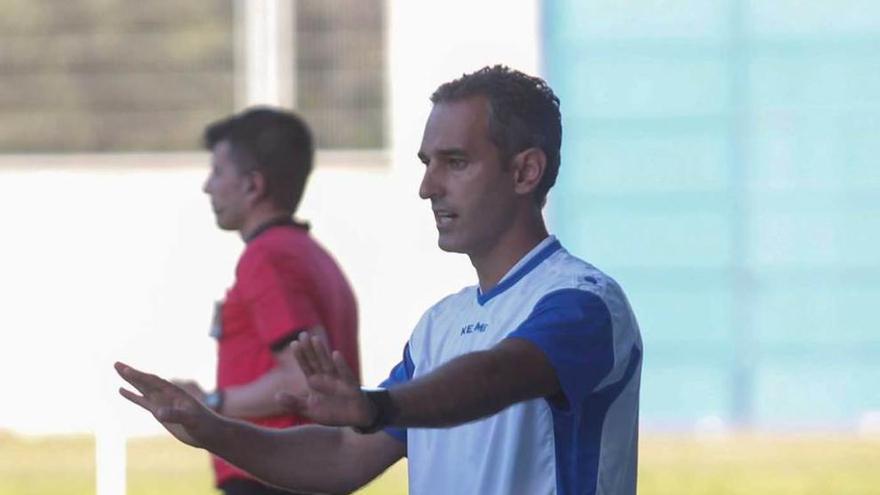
<point>529,166</point>
<point>256,186</point>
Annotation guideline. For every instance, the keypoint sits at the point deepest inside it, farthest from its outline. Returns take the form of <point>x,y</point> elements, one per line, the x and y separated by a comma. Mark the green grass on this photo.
<point>50,465</point>
<point>161,466</point>
<point>784,465</point>
<point>746,464</point>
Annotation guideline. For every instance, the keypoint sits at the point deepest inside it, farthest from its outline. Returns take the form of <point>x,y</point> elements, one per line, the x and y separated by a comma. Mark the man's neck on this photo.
<point>507,252</point>
<point>258,218</point>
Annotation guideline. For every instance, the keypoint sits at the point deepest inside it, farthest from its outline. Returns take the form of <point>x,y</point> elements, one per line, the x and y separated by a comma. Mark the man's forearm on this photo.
<point>304,459</point>
<point>474,385</point>
<point>257,398</point>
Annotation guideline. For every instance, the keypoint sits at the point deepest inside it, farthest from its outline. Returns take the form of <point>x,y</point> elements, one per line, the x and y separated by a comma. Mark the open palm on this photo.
<point>178,411</point>
<point>333,396</point>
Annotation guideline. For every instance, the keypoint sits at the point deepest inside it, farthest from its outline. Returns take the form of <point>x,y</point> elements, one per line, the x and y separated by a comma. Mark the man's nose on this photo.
<point>430,187</point>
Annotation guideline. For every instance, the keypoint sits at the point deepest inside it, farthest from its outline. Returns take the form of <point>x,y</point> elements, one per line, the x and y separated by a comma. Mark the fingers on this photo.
<point>312,355</point>
<point>323,355</point>
<point>192,388</point>
<point>137,399</point>
<point>163,414</point>
<point>342,368</point>
<point>302,358</point>
<point>151,387</point>
<point>143,382</point>
<point>306,355</point>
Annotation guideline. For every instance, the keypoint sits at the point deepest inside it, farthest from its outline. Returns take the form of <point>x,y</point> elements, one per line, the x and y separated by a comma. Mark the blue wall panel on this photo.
<point>720,160</point>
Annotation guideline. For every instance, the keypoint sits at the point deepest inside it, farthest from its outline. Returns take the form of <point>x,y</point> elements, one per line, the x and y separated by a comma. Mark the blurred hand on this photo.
<point>192,388</point>
<point>177,410</point>
<point>333,396</point>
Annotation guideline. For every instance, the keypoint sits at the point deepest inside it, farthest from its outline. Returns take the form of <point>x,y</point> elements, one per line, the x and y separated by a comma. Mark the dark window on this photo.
<point>340,71</point>
<point>116,76</point>
<point>86,75</point>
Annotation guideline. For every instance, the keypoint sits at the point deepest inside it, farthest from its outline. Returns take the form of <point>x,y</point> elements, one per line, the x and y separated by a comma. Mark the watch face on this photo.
<point>212,400</point>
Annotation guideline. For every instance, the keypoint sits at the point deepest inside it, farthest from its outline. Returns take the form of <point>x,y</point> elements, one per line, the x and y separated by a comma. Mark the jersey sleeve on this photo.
<point>573,329</point>
<point>401,373</point>
<point>276,291</point>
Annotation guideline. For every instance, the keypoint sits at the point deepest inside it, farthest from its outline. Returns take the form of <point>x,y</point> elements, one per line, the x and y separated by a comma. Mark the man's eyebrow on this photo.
<point>452,152</point>
<point>446,152</point>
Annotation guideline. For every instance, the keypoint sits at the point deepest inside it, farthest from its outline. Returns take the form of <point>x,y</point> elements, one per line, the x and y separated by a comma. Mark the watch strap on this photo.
<point>383,405</point>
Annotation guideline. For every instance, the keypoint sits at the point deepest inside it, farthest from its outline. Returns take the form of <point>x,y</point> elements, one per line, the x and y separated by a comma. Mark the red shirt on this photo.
<point>284,283</point>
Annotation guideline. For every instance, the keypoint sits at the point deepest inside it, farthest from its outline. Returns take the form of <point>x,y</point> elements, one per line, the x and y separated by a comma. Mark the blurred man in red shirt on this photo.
<point>285,282</point>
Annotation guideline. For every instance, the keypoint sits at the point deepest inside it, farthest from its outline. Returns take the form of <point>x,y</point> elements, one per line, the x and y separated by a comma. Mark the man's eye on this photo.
<point>457,163</point>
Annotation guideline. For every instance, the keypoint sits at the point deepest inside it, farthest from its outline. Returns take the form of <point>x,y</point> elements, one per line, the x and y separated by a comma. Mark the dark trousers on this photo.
<point>238,486</point>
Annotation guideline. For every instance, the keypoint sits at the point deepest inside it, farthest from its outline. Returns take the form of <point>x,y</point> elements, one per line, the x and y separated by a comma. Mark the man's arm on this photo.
<point>311,458</point>
<point>256,399</point>
<point>469,387</point>
<point>475,385</point>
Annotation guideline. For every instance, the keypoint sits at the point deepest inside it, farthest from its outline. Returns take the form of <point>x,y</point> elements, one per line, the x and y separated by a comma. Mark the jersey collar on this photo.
<point>522,268</point>
<point>276,222</point>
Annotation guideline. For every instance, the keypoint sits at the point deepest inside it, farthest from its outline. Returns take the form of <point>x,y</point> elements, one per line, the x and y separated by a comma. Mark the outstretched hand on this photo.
<point>178,411</point>
<point>333,396</point>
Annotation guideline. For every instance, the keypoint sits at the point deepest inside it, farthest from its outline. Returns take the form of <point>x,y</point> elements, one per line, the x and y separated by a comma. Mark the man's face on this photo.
<point>471,193</point>
<point>228,188</point>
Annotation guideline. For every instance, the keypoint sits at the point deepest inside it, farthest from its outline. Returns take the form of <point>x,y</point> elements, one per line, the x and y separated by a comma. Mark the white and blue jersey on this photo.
<point>583,442</point>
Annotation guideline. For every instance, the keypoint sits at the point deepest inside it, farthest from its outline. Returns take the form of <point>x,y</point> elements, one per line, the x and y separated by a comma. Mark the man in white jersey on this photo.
<point>527,383</point>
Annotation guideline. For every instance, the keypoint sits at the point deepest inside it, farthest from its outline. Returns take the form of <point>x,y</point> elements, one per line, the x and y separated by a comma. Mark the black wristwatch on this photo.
<point>384,410</point>
<point>214,400</point>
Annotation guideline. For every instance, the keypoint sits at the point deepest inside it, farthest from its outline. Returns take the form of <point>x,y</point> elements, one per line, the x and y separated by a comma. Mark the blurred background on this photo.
<point>719,160</point>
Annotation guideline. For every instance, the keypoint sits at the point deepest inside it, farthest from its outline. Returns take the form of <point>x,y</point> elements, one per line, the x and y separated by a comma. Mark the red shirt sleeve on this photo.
<point>277,292</point>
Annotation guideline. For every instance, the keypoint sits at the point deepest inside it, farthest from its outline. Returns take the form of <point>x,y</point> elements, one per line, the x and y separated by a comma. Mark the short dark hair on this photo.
<point>273,142</point>
<point>523,113</point>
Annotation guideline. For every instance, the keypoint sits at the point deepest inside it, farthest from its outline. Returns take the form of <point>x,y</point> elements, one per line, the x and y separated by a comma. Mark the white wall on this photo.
<point>117,257</point>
